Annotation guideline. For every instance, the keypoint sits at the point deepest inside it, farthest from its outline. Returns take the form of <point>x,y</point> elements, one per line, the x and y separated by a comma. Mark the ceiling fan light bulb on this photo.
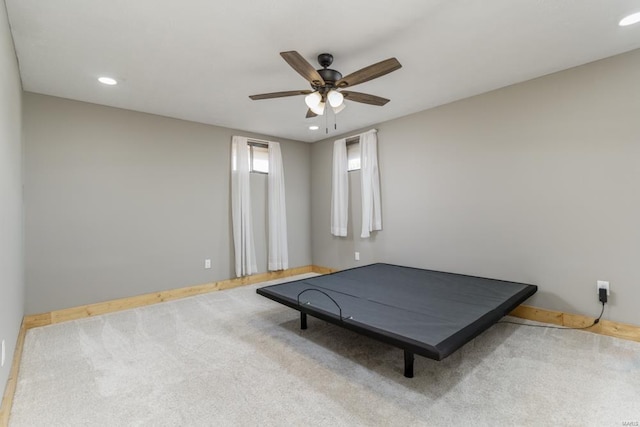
<point>339,108</point>
<point>335,98</point>
<point>319,109</point>
<point>313,99</point>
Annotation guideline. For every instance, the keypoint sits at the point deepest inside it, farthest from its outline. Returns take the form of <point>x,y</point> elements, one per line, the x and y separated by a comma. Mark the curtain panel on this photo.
<point>339,189</point>
<point>278,252</point>
<point>244,247</point>
<point>370,176</point>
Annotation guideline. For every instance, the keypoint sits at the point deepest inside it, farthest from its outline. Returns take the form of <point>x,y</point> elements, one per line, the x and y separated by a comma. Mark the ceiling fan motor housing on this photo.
<point>328,75</point>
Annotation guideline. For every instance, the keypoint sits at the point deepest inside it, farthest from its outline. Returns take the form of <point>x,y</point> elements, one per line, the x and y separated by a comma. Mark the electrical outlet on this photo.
<point>357,256</point>
<point>207,263</point>
<point>2,364</point>
<point>602,284</point>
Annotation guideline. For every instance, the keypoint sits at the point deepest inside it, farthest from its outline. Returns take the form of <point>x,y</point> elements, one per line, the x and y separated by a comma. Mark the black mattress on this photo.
<point>430,313</point>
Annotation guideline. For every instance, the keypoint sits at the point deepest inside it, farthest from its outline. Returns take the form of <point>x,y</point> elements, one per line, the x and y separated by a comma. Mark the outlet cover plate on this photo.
<point>603,284</point>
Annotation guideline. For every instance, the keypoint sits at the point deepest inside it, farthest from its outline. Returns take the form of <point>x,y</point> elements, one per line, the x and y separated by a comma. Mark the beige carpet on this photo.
<point>234,358</point>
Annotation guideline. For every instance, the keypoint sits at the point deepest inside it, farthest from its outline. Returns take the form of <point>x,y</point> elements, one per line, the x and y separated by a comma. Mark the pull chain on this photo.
<point>328,110</point>
<point>326,115</point>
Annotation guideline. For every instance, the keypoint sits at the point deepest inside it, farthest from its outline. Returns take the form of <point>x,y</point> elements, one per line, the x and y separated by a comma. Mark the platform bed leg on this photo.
<point>408,364</point>
<point>303,320</point>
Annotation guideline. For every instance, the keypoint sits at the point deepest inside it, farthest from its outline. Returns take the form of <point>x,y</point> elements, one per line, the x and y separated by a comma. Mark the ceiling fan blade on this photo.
<point>303,67</point>
<point>369,73</point>
<point>279,94</point>
<point>365,98</point>
<point>310,114</point>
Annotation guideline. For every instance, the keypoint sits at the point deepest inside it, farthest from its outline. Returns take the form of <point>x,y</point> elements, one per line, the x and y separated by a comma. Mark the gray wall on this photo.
<point>120,203</point>
<point>538,182</point>
<point>11,235</point>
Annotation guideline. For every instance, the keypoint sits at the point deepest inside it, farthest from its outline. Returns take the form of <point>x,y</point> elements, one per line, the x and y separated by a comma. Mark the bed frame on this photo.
<point>424,312</point>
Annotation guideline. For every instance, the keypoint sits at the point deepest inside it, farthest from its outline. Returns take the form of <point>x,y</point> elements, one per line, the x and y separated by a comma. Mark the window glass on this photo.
<point>259,158</point>
<point>353,155</point>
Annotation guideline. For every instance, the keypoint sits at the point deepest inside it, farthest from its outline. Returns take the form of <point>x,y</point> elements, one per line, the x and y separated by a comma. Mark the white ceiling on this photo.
<point>199,60</point>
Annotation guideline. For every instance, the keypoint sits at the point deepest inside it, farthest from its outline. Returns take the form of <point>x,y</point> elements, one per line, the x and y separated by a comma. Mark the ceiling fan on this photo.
<point>328,84</point>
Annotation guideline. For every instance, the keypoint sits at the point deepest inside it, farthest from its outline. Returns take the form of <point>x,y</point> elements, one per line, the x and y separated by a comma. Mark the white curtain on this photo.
<point>245,253</point>
<point>371,212</point>
<point>339,189</point>
<point>278,252</point>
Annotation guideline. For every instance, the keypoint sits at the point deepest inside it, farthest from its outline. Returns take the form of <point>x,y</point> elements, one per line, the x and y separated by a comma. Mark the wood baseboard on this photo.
<point>58,316</point>
<point>604,327</point>
<point>323,270</point>
<point>12,383</point>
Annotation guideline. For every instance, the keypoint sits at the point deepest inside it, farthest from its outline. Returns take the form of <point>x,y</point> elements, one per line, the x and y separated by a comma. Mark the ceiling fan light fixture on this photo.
<point>313,100</point>
<point>335,98</point>
<point>634,18</point>
<point>319,109</point>
<point>339,108</point>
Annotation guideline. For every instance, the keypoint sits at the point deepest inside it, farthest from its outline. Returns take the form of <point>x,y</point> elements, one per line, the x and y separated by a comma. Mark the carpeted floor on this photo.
<point>235,358</point>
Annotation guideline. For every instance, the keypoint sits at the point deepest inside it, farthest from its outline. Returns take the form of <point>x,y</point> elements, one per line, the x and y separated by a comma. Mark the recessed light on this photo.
<point>634,18</point>
<point>107,81</point>
<point>314,127</point>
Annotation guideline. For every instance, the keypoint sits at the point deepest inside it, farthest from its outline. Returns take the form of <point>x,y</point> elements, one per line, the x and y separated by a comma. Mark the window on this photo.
<point>353,154</point>
<point>258,157</point>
